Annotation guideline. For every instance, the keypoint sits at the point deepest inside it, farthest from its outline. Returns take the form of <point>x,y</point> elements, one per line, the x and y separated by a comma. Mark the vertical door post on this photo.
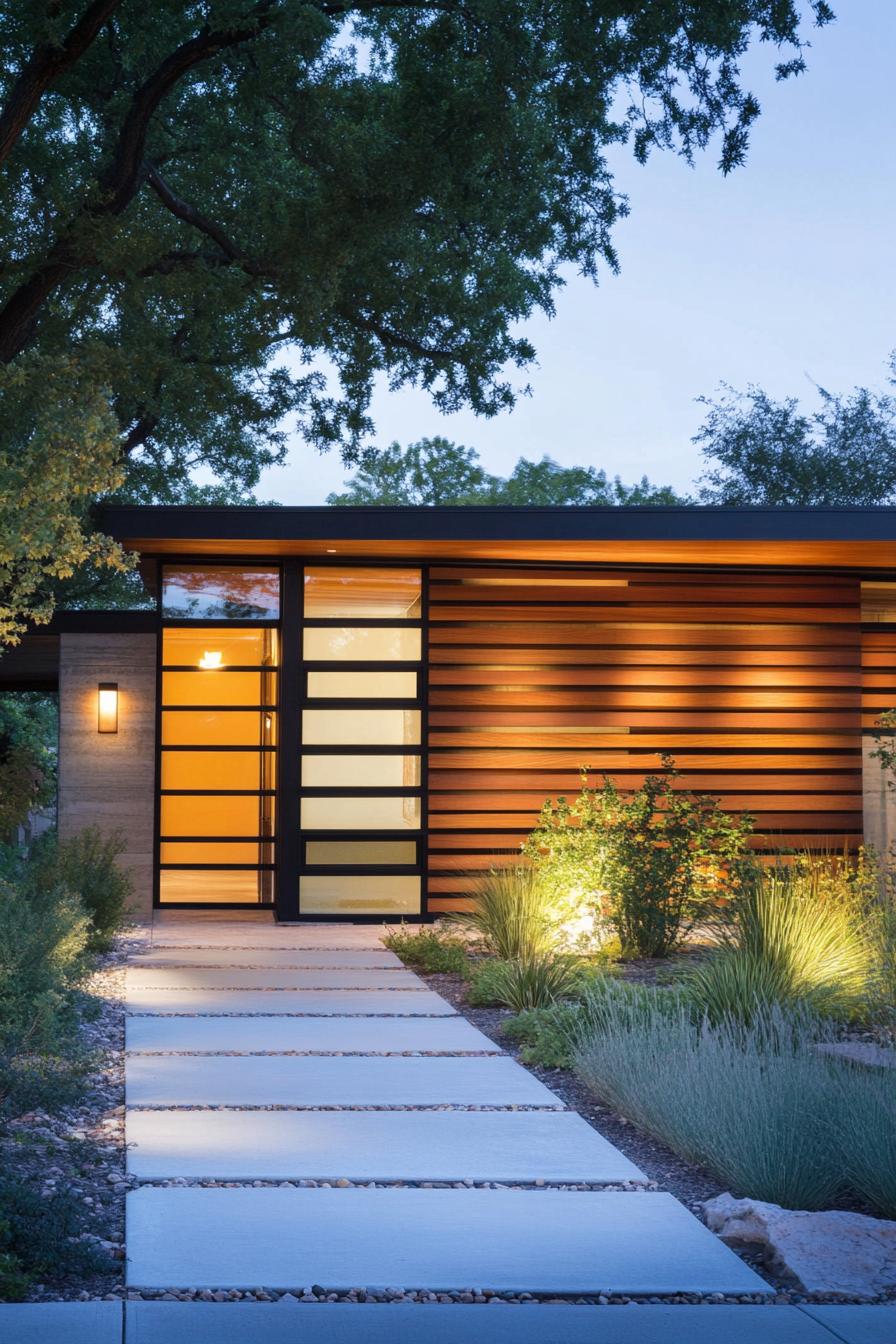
<point>289,745</point>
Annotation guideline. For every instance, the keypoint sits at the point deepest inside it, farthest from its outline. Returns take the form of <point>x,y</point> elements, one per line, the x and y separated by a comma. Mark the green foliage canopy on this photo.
<point>762,451</point>
<point>389,187</point>
<point>437,471</point>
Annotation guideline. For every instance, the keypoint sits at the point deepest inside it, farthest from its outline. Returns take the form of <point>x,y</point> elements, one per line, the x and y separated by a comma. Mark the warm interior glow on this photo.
<point>372,644</point>
<point>362,591</point>
<point>107,707</point>
<point>361,893</point>
<point>211,659</point>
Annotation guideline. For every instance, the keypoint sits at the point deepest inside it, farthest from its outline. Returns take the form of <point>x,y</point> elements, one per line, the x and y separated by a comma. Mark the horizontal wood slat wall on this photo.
<point>752,680</point>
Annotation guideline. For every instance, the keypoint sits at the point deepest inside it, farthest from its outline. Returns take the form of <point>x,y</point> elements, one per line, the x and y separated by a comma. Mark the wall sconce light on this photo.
<point>107,707</point>
<point>211,660</point>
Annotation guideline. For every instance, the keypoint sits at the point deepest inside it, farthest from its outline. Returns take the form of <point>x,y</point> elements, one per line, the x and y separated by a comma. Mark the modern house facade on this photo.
<point>346,713</point>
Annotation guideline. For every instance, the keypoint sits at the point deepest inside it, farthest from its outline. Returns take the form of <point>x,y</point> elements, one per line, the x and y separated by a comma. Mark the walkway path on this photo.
<point>309,1071</point>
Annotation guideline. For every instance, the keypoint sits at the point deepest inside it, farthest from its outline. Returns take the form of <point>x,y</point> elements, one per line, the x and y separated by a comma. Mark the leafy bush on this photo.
<point>39,1238</point>
<point>28,729</point>
<point>651,864</point>
<point>515,913</point>
<point>752,1103</point>
<point>547,1035</point>
<point>484,989</point>
<point>43,938</point>
<point>801,935</point>
<point>429,948</point>
<point>87,864</point>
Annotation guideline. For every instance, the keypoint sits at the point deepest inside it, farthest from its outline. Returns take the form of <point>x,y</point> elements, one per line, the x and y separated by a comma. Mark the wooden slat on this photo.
<point>564,781</point>
<point>643,612</point>
<point>596,634</point>
<point>516,680</point>
<point>752,682</point>
<point>798,597</point>
<point>650,655</point>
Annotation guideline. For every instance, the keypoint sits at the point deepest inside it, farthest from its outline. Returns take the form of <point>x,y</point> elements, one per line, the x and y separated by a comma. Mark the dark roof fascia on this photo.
<point>100,623</point>
<point>264,523</point>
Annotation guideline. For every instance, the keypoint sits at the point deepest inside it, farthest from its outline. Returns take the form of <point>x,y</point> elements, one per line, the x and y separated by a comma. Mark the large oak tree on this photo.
<point>188,190</point>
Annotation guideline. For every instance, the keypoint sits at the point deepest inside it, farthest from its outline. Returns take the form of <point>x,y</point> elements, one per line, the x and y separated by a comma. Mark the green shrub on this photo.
<point>43,938</point>
<point>429,948</point>
<point>533,982</point>
<point>515,913</point>
<point>39,1238</point>
<point>750,1103</point>
<point>650,863</point>
<point>484,988</point>
<point>798,938</point>
<point>87,864</point>
<point>608,999</point>
<point>547,1034</point>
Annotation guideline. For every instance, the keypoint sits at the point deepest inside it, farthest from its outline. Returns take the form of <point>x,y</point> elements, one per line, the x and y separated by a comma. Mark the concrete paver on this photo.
<point>373,1145</point>
<point>331,1080</point>
<point>270,957</point>
<point>373,1035</point>
<point>201,978</point>
<point>61,1322</point>
<point>545,1241</point>
<point>276,1323</point>
<point>323,1002</point>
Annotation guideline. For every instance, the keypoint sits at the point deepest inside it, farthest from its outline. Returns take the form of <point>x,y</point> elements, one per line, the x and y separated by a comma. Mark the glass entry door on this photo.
<point>361,728</point>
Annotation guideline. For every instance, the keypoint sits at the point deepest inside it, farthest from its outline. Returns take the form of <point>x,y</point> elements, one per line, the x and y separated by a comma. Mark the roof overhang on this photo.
<point>33,664</point>
<point>817,537</point>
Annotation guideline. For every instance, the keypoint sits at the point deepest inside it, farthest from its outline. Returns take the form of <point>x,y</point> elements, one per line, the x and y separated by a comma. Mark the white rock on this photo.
<point>831,1252</point>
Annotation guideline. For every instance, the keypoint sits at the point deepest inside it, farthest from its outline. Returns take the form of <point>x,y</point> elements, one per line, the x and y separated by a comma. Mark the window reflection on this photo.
<point>220,592</point>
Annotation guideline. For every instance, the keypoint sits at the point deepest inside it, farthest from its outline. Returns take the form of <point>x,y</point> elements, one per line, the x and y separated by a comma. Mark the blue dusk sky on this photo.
<point>781,274</point>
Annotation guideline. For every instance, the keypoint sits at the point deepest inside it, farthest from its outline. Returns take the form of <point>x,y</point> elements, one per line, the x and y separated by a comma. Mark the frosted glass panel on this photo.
<point>360,772</point>
<point>382,644</point>
<point>362,685</point>
<point>237,648</point>
<point>360,727</point>
<point>356,590</point>
<point>208,728</point>
<point>364,894</point>
<point>216,851</point>
<point>211,886</point>
<point>360,814</point>
<point>185,814</point>
<point>332,853</point>
<point>217,770</point>
<point>219,688</point>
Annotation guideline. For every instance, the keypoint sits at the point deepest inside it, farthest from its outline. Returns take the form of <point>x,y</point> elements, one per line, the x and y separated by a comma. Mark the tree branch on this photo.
<point>119,183</point>
<point>388,336</point>
<point>189,214</point>
<point>45,64</point>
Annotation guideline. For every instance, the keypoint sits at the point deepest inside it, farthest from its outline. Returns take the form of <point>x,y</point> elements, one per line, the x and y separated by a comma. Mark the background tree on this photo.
<point>390,187</point>
<point>437,471</point>
<point>761,451</point>
<point>28,729</point>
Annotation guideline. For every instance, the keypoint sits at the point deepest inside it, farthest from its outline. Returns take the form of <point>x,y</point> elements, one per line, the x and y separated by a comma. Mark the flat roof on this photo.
<point>698,534</point>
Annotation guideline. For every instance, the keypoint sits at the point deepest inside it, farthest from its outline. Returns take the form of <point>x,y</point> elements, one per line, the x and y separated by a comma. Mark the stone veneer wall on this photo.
<point>879,802</point>
<point>108,779</point>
